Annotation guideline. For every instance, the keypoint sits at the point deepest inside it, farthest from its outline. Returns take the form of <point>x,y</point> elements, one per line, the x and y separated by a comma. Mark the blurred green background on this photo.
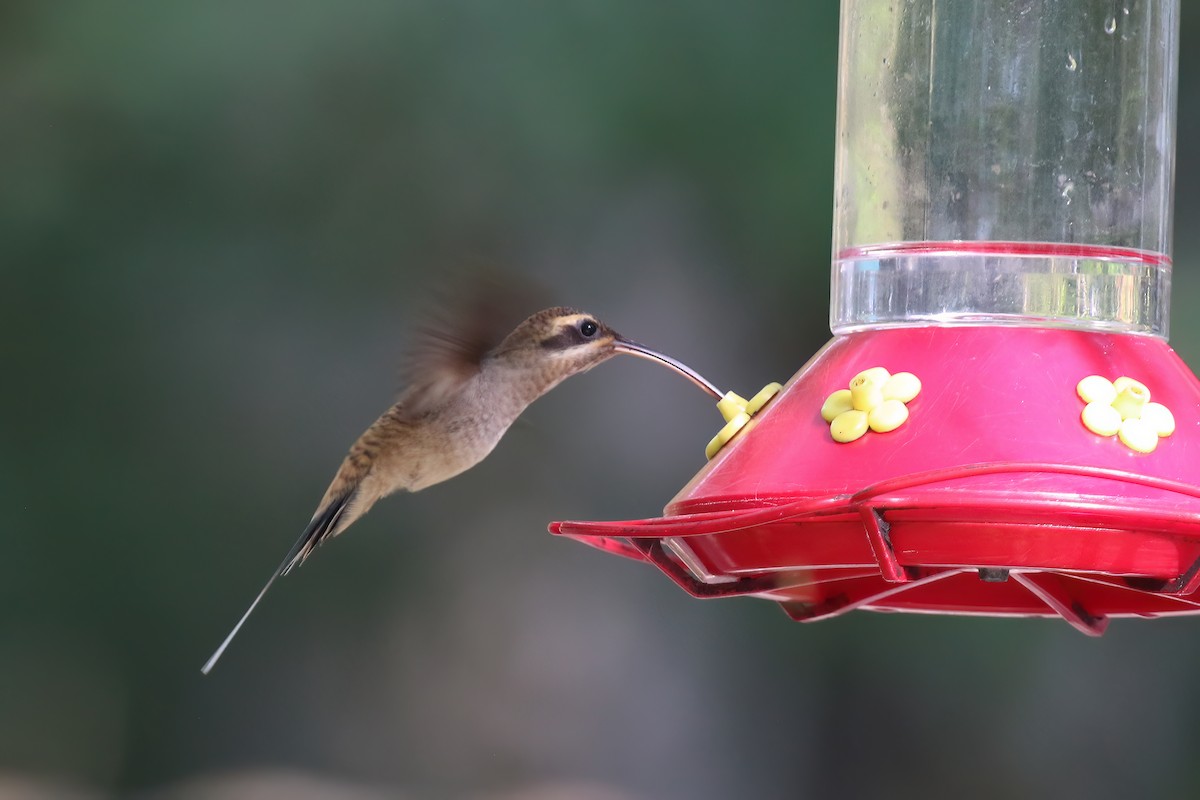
<point>215,220</point>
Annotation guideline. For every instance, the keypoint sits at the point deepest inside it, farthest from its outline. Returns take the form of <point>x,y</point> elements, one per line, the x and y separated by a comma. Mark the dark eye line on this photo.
<point>572,335</point>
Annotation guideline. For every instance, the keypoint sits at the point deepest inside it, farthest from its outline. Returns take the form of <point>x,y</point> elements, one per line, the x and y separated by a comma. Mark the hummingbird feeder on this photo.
<point>998,425</point>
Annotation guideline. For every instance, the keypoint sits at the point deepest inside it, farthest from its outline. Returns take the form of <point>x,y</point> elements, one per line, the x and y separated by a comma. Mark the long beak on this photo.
<point>623,345</point>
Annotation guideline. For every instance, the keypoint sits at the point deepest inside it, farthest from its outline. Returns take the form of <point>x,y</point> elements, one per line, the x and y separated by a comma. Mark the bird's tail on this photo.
<point>323,525</point>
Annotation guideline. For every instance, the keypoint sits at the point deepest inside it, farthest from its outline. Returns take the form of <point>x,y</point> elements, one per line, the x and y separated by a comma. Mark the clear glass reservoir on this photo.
<point>1005,162</point>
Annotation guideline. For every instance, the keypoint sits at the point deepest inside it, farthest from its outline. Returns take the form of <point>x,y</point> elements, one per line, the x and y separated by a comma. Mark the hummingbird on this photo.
<point>463,395</point>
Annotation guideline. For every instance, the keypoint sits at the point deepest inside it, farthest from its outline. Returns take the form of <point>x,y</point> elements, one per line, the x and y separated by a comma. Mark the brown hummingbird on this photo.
<point>464,393</point>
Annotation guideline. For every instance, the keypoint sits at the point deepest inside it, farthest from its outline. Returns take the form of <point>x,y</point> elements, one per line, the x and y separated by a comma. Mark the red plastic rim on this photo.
<point>1030,249</point>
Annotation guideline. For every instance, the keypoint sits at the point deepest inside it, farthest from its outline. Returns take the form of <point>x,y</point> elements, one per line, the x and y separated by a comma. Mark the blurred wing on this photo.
<point>470,316</point>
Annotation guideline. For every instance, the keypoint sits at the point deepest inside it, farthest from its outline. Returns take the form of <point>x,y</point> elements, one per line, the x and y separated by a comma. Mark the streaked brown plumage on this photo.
<point>450,421</point>
<point>463,395</point>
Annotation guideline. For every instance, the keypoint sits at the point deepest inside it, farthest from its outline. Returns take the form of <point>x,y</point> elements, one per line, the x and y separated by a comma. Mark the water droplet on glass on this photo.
<point>1071,62</point>
<point>1110,25</point>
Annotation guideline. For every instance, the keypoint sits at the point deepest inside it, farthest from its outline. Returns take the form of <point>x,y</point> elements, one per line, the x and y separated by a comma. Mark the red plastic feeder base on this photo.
<point>992,498</point>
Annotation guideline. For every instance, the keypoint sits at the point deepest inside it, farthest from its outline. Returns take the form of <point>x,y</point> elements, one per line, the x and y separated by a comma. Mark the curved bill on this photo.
<point>623,345</point>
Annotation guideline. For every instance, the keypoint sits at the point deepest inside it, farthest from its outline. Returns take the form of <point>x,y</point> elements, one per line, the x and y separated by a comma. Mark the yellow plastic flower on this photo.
<point>874,401</point>
<point>737,411</point>
<point>1122,408</point>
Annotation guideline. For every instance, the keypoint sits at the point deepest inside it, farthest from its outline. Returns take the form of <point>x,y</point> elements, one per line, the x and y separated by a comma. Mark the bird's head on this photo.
<point>561,340</point>
<point>565,341</point>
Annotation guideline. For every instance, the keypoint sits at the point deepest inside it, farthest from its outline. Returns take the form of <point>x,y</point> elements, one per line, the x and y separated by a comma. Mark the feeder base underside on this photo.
<point>1076,598</point>
<point>924,561</point>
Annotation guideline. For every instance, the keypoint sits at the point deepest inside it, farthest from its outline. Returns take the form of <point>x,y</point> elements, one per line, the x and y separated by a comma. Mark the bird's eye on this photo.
<point>588,328</point>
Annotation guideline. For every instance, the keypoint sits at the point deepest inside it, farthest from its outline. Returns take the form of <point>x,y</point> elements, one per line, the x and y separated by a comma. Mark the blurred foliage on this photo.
<point>215,220</point>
